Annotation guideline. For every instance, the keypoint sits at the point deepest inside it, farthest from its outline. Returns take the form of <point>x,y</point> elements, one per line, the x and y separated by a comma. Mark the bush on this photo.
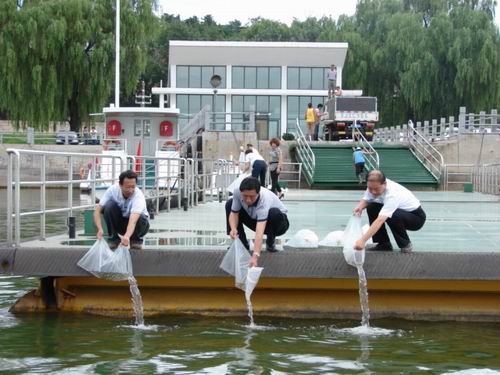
<point>288,137</point>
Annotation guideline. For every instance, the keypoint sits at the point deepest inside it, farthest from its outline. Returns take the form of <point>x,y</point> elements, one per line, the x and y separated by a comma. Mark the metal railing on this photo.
<point>426,153</point>
<point>484,178</point>
<point>305,154</point>
<point>370,154</point>
<point>15,183</point>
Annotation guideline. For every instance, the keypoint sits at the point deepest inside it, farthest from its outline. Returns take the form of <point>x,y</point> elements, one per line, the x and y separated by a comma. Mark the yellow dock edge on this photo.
<point>469,300</point>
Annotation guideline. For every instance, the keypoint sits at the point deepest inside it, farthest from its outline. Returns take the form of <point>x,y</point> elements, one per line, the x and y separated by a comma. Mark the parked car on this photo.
<point>70,136</point>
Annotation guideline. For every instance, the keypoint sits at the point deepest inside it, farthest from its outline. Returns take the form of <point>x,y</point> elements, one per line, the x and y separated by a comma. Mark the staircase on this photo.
<point>334,167</point>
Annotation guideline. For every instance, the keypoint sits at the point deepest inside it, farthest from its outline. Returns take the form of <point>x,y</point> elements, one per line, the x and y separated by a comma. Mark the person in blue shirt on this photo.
<point>359,163</point>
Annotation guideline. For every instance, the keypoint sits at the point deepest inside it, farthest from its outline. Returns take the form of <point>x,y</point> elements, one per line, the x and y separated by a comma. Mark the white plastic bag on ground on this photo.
<point>304,238</point>
<point>236,183</point>
<point>253,277</point>
<point>335,238</point>
<point>235,263</point>
<point>105,263</point>
<point>352,233</point>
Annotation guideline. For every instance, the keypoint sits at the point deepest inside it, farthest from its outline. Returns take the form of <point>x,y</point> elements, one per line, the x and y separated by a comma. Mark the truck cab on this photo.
<point>343,113</point>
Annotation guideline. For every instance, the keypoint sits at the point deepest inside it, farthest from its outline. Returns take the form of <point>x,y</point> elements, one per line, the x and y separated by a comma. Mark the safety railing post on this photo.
<point>11,157</point>
<point>43,203</point>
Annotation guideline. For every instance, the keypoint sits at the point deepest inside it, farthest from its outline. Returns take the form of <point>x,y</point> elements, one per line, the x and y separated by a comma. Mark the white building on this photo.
<point>278,78</point>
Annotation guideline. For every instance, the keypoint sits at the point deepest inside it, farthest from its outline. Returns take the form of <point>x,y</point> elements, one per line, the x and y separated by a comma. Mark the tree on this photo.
<point>57,57</point>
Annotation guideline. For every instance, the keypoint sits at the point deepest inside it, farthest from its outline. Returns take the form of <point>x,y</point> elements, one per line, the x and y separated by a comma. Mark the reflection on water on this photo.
<point>68,344</point>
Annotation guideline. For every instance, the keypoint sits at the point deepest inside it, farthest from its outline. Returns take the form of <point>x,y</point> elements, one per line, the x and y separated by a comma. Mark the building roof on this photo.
<point>183,52</point>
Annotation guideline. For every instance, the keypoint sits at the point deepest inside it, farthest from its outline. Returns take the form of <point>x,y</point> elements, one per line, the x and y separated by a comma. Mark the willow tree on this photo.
<point>57,56</point>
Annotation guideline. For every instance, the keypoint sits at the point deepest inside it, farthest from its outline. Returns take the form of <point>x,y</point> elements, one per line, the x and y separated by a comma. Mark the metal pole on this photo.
<point>117,55</point>
<point>43,197</point>
<point>17,198</point>
<point>9,199</point>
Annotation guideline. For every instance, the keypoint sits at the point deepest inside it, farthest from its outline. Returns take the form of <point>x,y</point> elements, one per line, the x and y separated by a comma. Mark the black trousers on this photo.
<point>400,222</point>
<point>117,224</point>
<point>259,170</point>
<point>275,186</point>
<point>277,224</point>
<point>360,167</point>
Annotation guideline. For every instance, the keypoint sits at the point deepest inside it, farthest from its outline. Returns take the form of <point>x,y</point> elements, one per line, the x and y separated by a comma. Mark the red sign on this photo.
<point>166,129</point>
<point>114,128</point>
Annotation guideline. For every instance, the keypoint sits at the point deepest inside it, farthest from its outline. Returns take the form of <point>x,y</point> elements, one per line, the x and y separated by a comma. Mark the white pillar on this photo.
<point>284,117</point>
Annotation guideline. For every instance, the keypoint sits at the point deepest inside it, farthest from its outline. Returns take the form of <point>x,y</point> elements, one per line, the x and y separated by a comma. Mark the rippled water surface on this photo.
<point>82,344</point>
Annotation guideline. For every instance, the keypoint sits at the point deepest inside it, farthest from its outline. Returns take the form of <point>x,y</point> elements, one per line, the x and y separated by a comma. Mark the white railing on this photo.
<point>484,178</point>
<point>428,155</point>
<point>445,128</point>
<point>70,177</point>
<point>370,154</point>
<point>305,153</point>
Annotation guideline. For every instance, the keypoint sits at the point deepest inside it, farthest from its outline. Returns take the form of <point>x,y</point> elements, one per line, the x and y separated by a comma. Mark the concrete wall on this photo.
<point>470,149</point>
<point>221,145</point>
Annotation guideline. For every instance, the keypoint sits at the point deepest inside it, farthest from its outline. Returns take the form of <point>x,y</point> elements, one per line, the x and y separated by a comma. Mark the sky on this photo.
<point>224,11</point>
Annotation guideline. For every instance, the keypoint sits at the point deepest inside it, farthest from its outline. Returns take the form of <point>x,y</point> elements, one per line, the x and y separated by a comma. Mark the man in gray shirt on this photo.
<point>261,211</point>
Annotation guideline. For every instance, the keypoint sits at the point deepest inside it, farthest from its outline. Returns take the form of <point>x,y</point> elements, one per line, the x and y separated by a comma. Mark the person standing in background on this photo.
<point>310,118</point>
<point>275,166</point>
<point>331,75</point>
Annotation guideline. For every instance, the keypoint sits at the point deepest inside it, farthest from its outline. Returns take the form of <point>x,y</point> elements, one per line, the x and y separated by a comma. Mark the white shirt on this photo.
<point>251,157</point>
<point>394,197</point>
<point>135,204</point>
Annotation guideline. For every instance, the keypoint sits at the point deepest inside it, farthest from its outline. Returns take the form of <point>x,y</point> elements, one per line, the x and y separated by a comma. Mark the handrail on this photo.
<point>425,152</point>
<point>305,153</point>
<point>372,161</point>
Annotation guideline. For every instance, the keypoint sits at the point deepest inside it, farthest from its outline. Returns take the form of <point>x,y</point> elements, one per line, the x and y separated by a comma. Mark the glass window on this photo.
<point>250,77</point>
<point>221,71</point>
<point>275,106</point>
<point>263,104</point>
<point>206,73</point>
<point>293,78</point>
<point>238,75</point>
<point>194,104</point>
<point>318,79</point>
<point>305,79</point>
<point>195,76</point>
<point>182,76</point>
<point>275,78</point>
<point>262,78</point>
<point>237,106</point>
<point>249,103</point>
<point>207,100</point>
<point>183,103</point>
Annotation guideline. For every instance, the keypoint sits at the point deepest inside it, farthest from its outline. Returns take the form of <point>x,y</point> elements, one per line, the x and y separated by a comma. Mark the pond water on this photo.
<point>82,344</point>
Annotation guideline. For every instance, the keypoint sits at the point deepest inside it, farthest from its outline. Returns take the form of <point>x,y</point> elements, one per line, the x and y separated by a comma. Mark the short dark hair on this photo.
<point>250,183</point>
<point>249,145</point>
<point>276,141</point>
<point>248,152</point>
<point>127,174</point>
<point>376,176</point>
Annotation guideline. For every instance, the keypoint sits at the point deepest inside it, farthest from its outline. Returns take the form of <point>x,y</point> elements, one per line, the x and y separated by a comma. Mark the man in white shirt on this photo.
<point>388,202</point>
<point>124,208</point>
<point>258,209</point>
<point>256,164</point>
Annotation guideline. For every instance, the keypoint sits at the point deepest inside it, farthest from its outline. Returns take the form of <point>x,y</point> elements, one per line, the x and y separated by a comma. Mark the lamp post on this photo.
<point>214,82</point>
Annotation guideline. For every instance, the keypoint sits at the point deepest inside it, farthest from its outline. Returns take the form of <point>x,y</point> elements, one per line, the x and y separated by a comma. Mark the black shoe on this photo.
<point>382,246</point>
<point>113,245</point>
<point>136,246</point>
<point>271,248</point>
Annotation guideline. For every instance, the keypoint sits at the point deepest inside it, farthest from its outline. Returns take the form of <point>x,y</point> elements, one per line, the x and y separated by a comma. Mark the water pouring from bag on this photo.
<point>253,277</point>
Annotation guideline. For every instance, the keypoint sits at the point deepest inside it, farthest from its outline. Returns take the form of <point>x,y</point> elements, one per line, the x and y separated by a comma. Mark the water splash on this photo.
<point>363,296</point>
<point>250,312</point>
<point>136,301</point>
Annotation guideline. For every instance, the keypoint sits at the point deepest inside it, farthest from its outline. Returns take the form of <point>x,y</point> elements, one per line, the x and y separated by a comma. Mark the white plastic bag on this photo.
<point>335,238</point>
<point>253,277</point>
<point>352,233</point>
<point>235,263</point>
<point>236,183</point>
<point>304,238</point>
<point>105,263</point>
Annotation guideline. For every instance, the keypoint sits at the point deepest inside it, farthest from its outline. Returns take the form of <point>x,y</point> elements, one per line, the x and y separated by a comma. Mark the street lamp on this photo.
<point>215,82</point>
